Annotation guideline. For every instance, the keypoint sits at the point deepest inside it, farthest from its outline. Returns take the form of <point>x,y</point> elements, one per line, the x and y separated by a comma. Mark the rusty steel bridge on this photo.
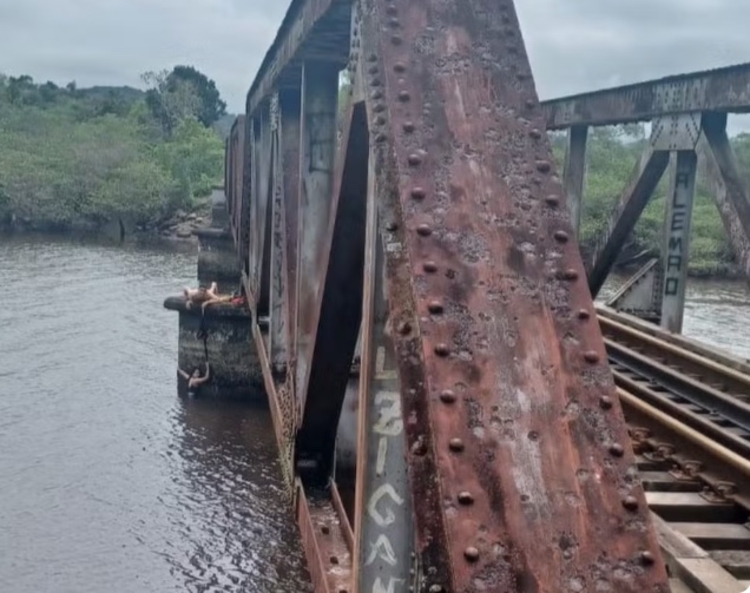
<point>453,413</point>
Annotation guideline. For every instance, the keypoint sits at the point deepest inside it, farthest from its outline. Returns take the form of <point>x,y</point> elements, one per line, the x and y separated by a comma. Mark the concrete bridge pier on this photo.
<point>217,259</point>
<point>222,335</point>
<point>228,347</point>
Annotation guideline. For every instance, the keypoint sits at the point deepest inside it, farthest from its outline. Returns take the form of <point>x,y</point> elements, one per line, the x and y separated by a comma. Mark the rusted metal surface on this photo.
<point>574,170</point>
<point>337,311</point>
<point>338,505</point>
<point>318,153</point>
<point>644,179</point>
<point>278,345</point>
<point>311,29</point>
<point>328,559</point>
<point>732,198</point>
<point>676,248</point>
<point>383,511</point>
<point>724,89</point>
<point>519,470</point>
<point>290,143</point>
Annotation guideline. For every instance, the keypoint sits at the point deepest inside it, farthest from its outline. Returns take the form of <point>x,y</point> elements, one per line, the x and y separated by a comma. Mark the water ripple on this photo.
<point>109,481</point>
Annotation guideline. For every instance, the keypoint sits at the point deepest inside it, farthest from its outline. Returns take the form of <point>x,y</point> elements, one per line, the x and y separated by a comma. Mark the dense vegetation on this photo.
<point>74,157</point>
<point>611,155</point>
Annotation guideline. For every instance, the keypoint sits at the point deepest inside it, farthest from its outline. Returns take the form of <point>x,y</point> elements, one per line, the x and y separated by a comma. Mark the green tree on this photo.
<point>180,94</point>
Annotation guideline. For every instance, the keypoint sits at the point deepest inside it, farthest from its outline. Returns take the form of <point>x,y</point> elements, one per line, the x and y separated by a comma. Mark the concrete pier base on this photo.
<point>235,369</point>
<point>217,259</point>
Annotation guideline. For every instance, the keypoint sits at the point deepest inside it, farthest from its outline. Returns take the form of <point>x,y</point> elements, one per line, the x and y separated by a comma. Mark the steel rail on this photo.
<point>686,388</point>
<point>709,370</point>
<point>719,452</point>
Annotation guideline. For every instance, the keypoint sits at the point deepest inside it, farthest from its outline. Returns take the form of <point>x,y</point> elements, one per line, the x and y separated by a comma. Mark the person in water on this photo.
<point>195,380</point>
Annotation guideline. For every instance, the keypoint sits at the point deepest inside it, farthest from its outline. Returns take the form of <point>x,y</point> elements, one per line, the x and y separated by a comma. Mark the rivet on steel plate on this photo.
<point>616,450</point>
<point>391,9</point>
<point>404,96</point>
<point>552,200</point>
<point>376,94</point>
<point>399,67</point>
<point>379,120</point>
<point>378,107</point>
<point>404,328</point>
<point>375,82</point>
<point>465,498</point>
<point>414,159</point>
<point>471,554</point>
<point>630,503</point>
<point>391,226</point>
<point>418,448</point>
<point>373,69</point>
<point>372,58</point>
<point>456,445</point>
<point>380,138</point>
<point>570,274</point>
<point>435,307</point>
<point>605,402</point>
<point>448,396</point>
<point>442,350</point>
<point>583,314</point>
<point>418,193</point>
<point>394,22</point>
<point>535,133</point>
<point>436,588</point>
<point>408,127</point>
<point>396,40</point>
<point>325,529</point>
<point>334,560</point>
<point>647,558</point>
<point>533,435</point>
<point>430,267</point>
<point>424,230</point>
<point>561,236</point>
<point>591,356</point>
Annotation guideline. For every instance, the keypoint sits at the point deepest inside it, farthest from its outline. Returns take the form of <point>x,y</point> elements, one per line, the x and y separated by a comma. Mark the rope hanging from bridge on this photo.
<point>202,334</point>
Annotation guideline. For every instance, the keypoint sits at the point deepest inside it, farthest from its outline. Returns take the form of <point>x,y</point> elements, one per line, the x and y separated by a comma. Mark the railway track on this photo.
<point>689,419</point>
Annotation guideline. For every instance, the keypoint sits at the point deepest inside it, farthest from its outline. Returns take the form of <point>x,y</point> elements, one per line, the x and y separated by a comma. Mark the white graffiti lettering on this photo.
<point>389,422</point>
<point>383,520</point>
<point>382,549</point>
<point>378,587</point>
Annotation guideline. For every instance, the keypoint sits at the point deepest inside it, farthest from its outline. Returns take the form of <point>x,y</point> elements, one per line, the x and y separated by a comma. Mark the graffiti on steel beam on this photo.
<point>676,248</point>
<point>385,529</point>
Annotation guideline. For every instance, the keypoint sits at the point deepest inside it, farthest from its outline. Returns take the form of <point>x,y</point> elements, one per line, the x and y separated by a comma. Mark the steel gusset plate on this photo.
<point>519,460</point>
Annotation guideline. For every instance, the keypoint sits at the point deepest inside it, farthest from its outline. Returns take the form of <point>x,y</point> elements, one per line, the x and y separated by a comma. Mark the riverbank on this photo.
<point>177,227</point>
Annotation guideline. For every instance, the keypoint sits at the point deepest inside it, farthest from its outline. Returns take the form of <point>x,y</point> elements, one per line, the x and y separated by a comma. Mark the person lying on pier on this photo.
<point>195,380</point>
<point>195,296</point>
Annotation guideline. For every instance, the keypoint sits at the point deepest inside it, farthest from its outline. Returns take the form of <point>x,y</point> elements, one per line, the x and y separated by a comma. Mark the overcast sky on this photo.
<point>574,45</point>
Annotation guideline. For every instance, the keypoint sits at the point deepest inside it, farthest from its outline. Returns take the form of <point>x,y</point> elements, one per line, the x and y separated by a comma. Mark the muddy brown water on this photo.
<point>111,483</point>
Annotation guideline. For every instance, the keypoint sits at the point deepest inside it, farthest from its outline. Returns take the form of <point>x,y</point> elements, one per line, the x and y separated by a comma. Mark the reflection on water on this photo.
<point>109,482</point>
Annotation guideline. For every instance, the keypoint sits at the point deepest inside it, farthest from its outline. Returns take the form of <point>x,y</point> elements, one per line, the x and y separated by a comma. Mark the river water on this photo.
<point>111,483</point>
<point>108,481</point>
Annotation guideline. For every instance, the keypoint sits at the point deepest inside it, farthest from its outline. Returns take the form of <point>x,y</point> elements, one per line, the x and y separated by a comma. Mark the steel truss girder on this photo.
<point>519,463</point>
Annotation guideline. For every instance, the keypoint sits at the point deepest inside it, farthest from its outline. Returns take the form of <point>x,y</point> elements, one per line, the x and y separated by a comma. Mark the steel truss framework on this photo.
<point>407,249</point>
<point>689,117</point>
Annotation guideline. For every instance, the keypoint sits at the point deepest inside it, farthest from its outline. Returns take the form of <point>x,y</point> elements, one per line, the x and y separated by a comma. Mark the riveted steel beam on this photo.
<point>514,458</point>
<point>724,89</point>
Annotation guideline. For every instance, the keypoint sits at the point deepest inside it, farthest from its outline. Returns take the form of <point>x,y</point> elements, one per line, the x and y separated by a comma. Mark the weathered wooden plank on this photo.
<point>690,507</point>
<point>716,535</point>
